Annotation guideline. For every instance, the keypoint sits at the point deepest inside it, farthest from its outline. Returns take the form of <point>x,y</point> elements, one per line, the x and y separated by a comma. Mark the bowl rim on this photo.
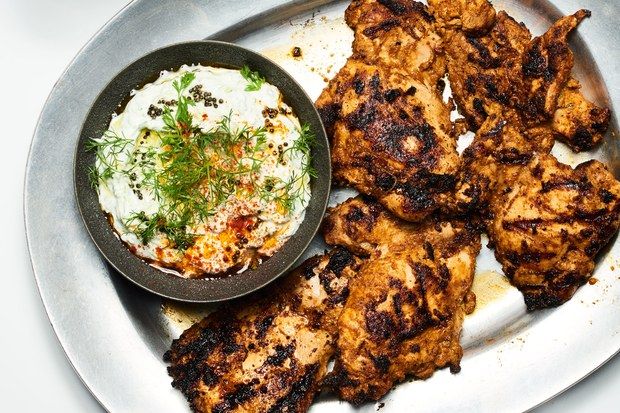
<point>190,290</point>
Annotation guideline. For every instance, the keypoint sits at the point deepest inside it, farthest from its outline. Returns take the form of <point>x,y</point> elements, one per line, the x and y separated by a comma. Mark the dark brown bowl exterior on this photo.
<point>116,93</point>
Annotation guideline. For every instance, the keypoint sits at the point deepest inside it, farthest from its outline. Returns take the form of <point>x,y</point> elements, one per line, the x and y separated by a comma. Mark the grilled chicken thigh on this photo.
<point>493,59</point>
<point>501,146</point>
<point>406,307</point>
<point>390,131</point>
<point>517,93</point>
<point>577,121</point>
<point>548,223</point>
<point>268,352</point>
<point>389,300</point>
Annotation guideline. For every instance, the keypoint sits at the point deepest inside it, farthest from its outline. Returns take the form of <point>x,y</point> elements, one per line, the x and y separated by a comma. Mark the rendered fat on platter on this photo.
<point>206,171</point>
<point>408,283</point>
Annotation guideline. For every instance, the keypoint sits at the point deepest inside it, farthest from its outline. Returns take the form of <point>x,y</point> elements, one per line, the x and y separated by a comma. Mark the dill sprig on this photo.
<point>255,80</point>
<point>287,193</point>
<point>192,173</point>
<point>107,150</point>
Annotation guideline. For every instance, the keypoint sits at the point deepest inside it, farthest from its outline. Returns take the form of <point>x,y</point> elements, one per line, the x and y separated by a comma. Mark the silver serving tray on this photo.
<point>114,333</point>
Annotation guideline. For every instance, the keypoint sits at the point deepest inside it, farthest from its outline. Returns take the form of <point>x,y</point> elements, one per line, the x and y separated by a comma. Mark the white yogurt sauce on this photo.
<point>243,227</point>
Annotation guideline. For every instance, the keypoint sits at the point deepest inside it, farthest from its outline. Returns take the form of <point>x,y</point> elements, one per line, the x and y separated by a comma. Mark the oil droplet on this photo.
<point>184,315</point>
<point>488,287</point>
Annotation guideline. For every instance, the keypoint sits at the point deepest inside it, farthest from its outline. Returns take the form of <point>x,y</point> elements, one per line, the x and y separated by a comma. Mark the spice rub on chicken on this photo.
<point>545,220</point>
<point>501,147</point>
<point>548,223</point>
<point>268,352</point>
<point>390,131</point>
<point>494,59</point>
<point>406,307</point>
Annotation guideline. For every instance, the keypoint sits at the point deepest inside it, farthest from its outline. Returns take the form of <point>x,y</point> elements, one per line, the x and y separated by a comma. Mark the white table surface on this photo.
<point>38,38</point>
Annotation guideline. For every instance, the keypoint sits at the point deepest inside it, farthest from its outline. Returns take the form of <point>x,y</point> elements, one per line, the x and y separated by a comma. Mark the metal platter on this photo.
<point>114,334</point>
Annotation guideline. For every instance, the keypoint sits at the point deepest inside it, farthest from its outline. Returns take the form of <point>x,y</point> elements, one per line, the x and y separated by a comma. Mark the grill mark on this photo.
<point>444,277</point>
<point>362,116</point>
<point>330,115</point>
<point>340,297</point>
<point>391,137</point>
<point>430,252</point>
<point>382,363</point>
<point>263,325</point>
<point>423,272</point>
<point>355,214</point>
<point>527,224</point>
<point>209,376</point>
<point>606,196</point>
<point>582,138</point>
<point>512,156</point>
<point>494,93</point>
<point>292,401</point>
<point>190,355</point>
<point>422,10</point>
<point>411,91</point>
<point>282,353</point>
<point>478,106</point>
<point>241,394</point>
<point>486,61</point>
<point>393,6</point>
<point>358,86</point>
<point>338,261</point>
<point>581,186</point>
<point>381,27</point>
<point>379,324</point>
<point>391,95</point>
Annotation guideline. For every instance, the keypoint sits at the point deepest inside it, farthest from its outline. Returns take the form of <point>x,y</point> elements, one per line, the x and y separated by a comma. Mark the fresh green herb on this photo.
<point>145,227</point>
<point>107,150</point>
<point>191,172</point>
<point>181,122</point>
<point>287,193</point>
<point>255,80</point>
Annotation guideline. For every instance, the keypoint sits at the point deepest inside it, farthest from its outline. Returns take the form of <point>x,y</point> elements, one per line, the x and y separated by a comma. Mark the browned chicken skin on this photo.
<point>406,307</point>
<point>577,121</point>
<point>517,93</point>
<point>268,352</point>
<point>470,16</point>
<point>548,223</point>
<point>390,130</point>
<point>493,59</point>
<point>501,146</point>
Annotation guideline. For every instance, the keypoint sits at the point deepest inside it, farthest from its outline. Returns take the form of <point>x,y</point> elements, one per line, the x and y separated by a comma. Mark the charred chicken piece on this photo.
<point>390,131</point>
<point>506,67</point>
<point>269,352</point>
<point>578,122</point>
<point>501,146</point>
<point>549,222</point>
<point>406,307</point>
<point>471,16</point>
<point>492,58</point>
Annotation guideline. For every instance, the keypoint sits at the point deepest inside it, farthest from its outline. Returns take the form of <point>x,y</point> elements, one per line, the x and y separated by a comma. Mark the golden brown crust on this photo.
<point>549,223</point>
<point>501,146</point>
<point>389,128</point>
<point>578,122</point>
<point>269,351</point>
<point>406,307</point>
<point>517,93</point>
<point>471,16</point>
<point>498,62</point>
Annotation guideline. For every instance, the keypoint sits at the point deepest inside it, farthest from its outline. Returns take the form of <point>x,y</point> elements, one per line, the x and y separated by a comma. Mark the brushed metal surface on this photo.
<point>114,333</point>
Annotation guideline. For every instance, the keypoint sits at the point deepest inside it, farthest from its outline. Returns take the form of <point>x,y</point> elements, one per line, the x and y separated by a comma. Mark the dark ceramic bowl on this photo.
<point>116,93</point>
